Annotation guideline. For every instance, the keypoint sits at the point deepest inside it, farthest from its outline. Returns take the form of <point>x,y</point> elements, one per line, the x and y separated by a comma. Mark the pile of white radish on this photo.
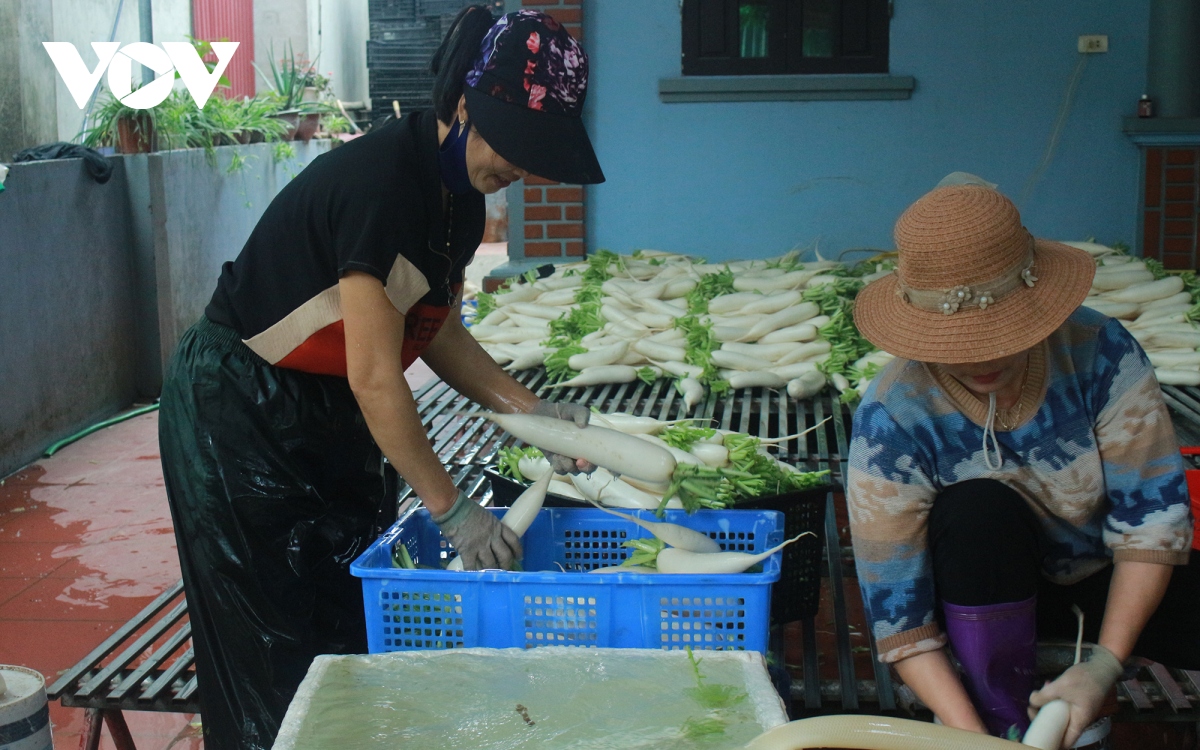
<point>640,470</point>
<point>1156,309</point>
<point>639,314</point>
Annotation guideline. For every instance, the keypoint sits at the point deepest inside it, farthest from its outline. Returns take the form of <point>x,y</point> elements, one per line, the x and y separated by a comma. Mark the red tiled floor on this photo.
<point>85,543</point>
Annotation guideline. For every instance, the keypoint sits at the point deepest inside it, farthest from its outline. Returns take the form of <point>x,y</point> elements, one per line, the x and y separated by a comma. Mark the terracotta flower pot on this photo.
<point>307,126</point>
<point>135,135</point>
<point>292,119</point>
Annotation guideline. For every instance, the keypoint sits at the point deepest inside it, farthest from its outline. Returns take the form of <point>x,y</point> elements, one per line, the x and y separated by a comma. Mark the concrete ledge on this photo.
<point>686,89</point>
<point>1162,131</point>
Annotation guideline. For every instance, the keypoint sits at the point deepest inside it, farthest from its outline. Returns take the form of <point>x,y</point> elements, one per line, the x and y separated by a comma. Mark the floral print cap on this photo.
<point>525,97</point>
<point>528,58</point>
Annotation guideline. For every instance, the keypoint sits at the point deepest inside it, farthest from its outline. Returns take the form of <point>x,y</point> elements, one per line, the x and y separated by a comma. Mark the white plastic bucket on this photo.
<point>24,715</point>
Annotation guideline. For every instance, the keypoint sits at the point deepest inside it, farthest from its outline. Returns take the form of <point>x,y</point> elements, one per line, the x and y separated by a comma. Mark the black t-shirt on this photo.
<point>372,205</point>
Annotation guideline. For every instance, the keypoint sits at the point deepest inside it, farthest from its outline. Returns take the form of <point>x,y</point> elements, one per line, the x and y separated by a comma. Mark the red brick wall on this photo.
<point>553,220</point>
<point>1171,209</point>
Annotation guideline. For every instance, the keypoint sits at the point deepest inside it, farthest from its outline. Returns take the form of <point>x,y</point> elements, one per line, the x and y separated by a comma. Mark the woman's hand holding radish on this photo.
<point>481,540</point>
<point>1083,686</point>
<point>577,413</point>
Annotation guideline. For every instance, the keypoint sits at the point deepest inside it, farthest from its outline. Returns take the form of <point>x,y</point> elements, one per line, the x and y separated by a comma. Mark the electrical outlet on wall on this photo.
<point>1093,43</point>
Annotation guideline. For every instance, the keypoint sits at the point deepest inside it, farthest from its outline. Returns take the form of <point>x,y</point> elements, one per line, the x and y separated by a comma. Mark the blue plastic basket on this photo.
<point>429,608</point>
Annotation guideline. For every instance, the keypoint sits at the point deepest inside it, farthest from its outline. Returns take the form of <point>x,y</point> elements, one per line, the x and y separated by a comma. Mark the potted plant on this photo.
<point>131,131</point>
<point>287,81</point>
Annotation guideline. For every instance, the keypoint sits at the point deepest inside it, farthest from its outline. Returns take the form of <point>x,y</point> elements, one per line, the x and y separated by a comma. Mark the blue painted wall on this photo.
<point>728,180</point>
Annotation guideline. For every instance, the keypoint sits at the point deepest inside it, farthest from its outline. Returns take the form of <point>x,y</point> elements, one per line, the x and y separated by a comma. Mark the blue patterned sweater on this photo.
<point>1092,450</point>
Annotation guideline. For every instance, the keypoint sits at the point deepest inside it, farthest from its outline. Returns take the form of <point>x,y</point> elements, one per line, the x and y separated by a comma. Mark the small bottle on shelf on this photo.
<point>1145,106</point>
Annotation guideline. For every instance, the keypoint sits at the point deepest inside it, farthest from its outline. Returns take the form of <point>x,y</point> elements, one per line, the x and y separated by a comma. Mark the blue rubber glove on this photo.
<point>480,539</point>
<point>577,413</point>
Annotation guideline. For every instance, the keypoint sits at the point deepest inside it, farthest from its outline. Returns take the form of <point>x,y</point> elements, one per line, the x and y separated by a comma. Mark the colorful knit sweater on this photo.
<point>1092,449</point>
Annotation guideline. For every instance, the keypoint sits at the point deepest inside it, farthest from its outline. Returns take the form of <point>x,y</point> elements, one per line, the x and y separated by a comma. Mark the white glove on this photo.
<point>1084,686</point>
<point>480,539</point>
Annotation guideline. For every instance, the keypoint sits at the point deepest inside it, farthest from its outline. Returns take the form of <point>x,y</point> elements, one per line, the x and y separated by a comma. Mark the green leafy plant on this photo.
<point>289,78</point>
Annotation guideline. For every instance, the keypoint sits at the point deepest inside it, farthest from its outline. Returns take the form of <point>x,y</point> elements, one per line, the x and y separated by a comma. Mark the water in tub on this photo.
<point>547,698</point>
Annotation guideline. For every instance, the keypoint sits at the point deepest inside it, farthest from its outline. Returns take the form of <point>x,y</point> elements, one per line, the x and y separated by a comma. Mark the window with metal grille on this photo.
<point>776,37</point>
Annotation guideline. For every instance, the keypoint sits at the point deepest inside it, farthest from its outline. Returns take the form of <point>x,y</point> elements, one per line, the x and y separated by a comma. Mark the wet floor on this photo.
<point>86,543</point>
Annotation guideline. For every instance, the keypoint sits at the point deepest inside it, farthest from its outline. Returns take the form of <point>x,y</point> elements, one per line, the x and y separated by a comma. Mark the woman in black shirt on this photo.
<point>281,401</point>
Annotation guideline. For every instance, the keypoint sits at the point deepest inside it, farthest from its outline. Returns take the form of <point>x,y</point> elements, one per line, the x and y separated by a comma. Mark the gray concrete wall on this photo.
<point>201,217</point>
<point>100,281</point>
<point>67,333</point>
<point>338,31</point>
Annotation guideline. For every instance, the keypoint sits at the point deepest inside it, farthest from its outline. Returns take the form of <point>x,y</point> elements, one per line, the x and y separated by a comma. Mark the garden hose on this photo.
<point>55,447</point>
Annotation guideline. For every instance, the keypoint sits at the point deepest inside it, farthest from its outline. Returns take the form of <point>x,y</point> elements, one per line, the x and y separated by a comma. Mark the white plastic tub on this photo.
<point>550,698</point>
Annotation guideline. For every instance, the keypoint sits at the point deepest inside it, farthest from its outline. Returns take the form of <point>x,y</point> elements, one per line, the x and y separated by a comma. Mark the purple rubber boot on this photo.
<point>997,648</point>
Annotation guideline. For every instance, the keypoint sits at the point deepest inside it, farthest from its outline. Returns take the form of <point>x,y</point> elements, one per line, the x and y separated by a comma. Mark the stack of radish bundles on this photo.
<point>776,323</point>
<point>646,464</point>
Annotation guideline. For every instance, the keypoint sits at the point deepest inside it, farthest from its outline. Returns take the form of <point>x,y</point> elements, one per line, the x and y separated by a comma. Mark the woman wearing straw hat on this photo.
<point>1015,460</point>
<point>281,401</point>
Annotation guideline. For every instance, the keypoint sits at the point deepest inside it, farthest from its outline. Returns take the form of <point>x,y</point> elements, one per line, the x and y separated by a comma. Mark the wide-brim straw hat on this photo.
<point>971,283</point>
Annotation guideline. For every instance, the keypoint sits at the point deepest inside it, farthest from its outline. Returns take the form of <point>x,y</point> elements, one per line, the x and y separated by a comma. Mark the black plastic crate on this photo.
<point>797,594</point>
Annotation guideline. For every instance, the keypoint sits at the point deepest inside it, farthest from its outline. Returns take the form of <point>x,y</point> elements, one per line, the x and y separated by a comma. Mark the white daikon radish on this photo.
<point>678,288</point>
<point>631,424</point>
<point>655,321</point>
<point>1111,309</point>
<point>1094,249</point>
<point>558,282</point>
<point>1120,279</point>
<point>1174,359</point>
<point>790,280</point>
<point>1169,312</point>
<point>599,376</point>
<point>730,303</point>
<point>730,333</point>
<point>807,385</point>
<point>680,456</point>
<point>840,382</point>
<point>797,370</point>
<point>680,537</point>
<point>519,517</point>
<point>602,447</point>
<point>782,319</point>
<point>526,507</point>
<point>736,360</point>
<point>657,351</point>
<point>799,332</point>
<point>1148,291</point>
<point>500,335</point>
<point>615,314</point>
<point>772,303</point>
<point>660,307</point>
<point>528,321</point>
<point>534,357</point>
<point>522,293</point>
<point>693,392</point>
<point>534,469</point>
<point>872,733</point>
<point>822,279</point>
<point>770,352</point>
<point>669,336</point>
<point>1182,298</point>
<point>1176,339</point>
<point>557,298</point>
<point>495,317</point>
<point>605,355</point>
<point>1177,376</point>
<point>1048,727</point>
<point>805,352</point>
<point>681,369</point>
<point>535,310</point>
<point>756,379</point>
<point>502,353</point>
<point>674,560</point>
<point>1129,264</point>
<point>716,456</point>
